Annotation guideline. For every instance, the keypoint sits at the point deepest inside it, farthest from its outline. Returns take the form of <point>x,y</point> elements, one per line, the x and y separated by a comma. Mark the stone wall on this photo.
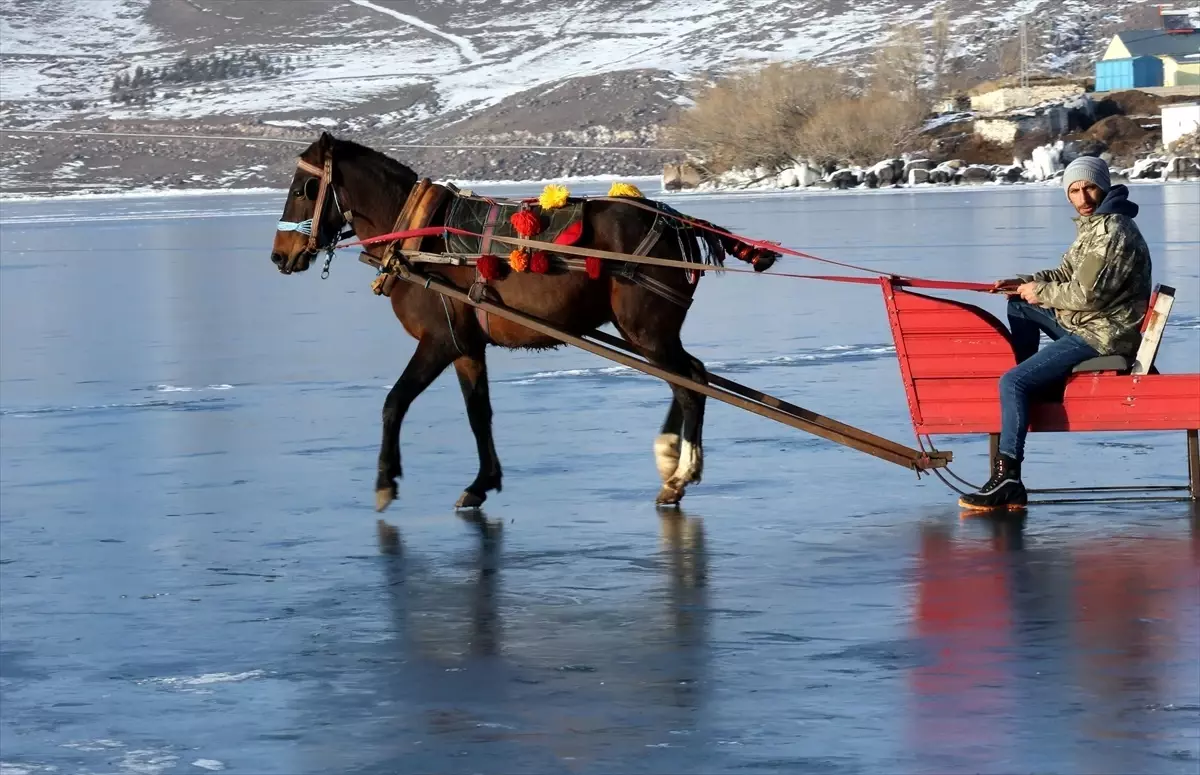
<point>1012,97</point>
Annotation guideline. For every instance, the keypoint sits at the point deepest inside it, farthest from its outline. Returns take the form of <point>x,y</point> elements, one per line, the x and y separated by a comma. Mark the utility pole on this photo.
<point>1024,59</point>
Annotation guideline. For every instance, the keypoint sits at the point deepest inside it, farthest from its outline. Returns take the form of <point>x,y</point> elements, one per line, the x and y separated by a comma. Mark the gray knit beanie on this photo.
<point>1090,168</point>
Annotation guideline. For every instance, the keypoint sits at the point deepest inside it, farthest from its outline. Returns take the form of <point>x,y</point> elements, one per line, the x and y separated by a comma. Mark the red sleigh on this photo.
<point>952,355</point>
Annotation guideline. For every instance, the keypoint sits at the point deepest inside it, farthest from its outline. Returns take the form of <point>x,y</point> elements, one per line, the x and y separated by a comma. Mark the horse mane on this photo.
<point>396,179</point>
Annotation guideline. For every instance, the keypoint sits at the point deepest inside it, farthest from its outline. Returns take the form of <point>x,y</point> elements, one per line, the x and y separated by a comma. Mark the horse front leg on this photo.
<point>472,377</point>
<point>427,363</point>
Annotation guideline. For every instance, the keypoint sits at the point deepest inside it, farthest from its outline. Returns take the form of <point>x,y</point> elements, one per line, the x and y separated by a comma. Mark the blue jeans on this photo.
<point>1035,370</point>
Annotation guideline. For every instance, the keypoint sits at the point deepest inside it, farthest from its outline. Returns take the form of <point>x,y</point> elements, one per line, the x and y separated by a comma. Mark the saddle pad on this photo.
<point>562,225</point>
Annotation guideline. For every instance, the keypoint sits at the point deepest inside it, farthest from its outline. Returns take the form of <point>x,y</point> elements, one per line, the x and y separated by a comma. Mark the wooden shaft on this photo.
<point>1193,457</point>
<point>772,401</point>
<point>852,437</point>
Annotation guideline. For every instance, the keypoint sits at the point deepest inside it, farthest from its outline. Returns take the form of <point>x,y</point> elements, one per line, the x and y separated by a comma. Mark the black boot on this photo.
<point>1003,491</point>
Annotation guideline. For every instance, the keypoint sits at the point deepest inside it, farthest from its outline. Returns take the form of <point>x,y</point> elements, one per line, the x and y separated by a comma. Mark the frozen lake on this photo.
<point>191,580</point>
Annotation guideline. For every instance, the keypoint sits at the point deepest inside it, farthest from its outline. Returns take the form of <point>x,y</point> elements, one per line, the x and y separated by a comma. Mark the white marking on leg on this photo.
<point>666,454</point>
<point>690,458</point>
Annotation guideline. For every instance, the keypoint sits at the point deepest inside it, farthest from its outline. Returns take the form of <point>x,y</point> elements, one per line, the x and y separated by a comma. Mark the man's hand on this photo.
<point>1028,292</point>
<point>1007,286</point>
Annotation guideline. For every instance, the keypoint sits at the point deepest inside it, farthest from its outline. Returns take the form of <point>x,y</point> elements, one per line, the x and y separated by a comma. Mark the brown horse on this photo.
<point>341,187</point>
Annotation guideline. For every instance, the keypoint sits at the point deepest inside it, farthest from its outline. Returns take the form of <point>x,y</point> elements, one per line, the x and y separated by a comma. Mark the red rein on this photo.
<point>489,265</point>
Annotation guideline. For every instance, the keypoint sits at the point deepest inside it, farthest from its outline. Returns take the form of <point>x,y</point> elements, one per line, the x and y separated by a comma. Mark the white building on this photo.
<point>1178,120</point>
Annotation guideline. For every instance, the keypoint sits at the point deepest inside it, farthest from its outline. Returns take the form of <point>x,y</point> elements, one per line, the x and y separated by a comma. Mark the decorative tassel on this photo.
<point>488,266</point>
<point>553,196</point>
<point>594,266</point>
<point>526,223</point>
<point>625,189</point>
<point>519,260</point>
<point>539,263</point>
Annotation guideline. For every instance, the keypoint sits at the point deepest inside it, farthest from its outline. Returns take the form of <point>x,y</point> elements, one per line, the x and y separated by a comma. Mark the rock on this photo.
<point>788,179</point>
<point>1148,169</point>
<point>689,176</point>
<point>954,164</point>
<point>917,164</point>
<point>843,179</point>
<point>806,174</point>
<point>941,175</point>
<point>871,179</point>
<point>671,179</point>
<point>888,172</point>
<point>976,173</point>
<point>917,176</point>
<point>1012,173</point>
<point>1182,168</point>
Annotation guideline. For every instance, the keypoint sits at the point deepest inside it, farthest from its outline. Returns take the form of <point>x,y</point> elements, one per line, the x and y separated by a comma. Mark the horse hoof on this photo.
<point>470,501</point>
<point>383,498</point>
<point>669,496</point>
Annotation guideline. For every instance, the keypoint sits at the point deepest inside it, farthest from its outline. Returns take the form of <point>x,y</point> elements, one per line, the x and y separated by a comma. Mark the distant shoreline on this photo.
<point>640,180</point>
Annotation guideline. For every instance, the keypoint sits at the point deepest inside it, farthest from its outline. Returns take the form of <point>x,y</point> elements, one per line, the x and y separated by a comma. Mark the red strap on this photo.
<point>897,280</point>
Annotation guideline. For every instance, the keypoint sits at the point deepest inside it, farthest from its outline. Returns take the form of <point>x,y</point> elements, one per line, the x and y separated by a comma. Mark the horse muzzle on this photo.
<point>296,263</point>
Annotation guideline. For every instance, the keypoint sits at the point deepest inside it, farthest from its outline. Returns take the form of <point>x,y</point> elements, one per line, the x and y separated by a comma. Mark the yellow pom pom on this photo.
<point>625,189</point>
<point>553,196</point>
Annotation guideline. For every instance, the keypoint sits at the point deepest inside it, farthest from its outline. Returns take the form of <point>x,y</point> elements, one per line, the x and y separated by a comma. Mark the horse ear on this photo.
<point>325,142</point>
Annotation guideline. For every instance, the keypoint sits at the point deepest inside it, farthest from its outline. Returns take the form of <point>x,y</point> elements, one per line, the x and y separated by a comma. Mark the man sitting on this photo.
<point>1092,305</point>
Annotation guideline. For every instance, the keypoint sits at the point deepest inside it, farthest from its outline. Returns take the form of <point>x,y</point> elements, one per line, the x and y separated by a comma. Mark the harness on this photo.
<point>312,226</point>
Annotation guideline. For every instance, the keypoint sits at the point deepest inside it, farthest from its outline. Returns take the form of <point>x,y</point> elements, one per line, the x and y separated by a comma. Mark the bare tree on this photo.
<point>900,63</point>
<point>939,48</point>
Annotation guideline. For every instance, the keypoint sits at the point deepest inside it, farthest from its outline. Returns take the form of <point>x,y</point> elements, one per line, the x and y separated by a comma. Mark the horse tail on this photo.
<point>720,242</point>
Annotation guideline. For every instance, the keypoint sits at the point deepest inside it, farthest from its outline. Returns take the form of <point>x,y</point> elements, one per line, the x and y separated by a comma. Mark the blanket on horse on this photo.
<point>492,218</point>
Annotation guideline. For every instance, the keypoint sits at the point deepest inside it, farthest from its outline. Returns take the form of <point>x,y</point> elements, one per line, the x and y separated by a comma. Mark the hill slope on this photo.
<point>537,72</point>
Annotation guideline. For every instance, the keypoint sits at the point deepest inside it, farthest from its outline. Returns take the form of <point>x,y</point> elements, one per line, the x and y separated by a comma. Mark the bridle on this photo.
<point>312,226</point>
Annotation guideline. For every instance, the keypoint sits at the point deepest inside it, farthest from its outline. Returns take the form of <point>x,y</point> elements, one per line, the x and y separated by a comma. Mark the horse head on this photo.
<point>312,218</point>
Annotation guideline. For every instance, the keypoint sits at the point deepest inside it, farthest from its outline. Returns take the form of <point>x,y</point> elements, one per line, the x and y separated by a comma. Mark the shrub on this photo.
<point>861,130</point>
<point>755,118</point>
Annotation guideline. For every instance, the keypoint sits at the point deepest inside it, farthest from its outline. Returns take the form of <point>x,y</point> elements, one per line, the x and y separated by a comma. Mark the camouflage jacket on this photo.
<point>1102,289</point>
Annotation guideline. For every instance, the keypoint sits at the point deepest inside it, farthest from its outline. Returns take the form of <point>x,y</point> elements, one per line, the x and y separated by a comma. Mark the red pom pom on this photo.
<point>526,223</point>
<point>593,266</point>
<point>539,263</point>
<point>488,266</point>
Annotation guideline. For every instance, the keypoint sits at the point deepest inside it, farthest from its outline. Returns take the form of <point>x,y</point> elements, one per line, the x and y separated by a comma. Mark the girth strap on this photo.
<point>634,273</point>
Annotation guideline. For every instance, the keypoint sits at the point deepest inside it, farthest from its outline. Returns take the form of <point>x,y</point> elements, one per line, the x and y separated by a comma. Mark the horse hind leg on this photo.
<point>666,444</point>
<point>679,453</point>
<point>690,464</point>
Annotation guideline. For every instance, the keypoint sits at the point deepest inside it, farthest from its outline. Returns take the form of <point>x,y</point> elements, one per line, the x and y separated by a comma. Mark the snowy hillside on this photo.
<point>415,66</point>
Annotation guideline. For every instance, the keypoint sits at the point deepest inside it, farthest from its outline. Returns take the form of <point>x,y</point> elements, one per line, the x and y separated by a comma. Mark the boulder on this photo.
<point>1011,173</point>
<point>888,172</point>
<point>788,179</point>
<point>976,173</point>
<point>917,164</point>
<point>671,180</point>
<point>806,174</point>
<point>844,179</point>
<point>941,175</point>
<point>689,176</point>
<point>1148,169</point>
<point>917,176</point>
<point>1182,168</point>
